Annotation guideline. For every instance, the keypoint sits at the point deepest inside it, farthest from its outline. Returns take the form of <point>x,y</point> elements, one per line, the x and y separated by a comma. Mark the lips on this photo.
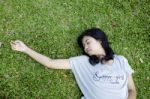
<point>88,50</point>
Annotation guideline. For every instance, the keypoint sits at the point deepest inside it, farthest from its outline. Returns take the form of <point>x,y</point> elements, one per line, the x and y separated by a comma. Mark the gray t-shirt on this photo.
<point>102,81</point>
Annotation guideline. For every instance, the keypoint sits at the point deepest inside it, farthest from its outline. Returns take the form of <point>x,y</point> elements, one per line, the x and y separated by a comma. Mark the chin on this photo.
<point>91,54</point>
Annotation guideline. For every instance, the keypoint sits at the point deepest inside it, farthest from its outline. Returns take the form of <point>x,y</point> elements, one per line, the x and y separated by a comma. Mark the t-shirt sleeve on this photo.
<point>127,66</point>
<point>77,63</point>
<point>74,62</point>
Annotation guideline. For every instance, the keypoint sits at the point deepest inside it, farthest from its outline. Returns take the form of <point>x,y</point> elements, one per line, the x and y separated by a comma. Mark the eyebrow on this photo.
<point>86,40</point>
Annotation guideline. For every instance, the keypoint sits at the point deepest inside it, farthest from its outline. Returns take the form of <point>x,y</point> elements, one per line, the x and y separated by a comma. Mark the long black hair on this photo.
<point>97,34</point>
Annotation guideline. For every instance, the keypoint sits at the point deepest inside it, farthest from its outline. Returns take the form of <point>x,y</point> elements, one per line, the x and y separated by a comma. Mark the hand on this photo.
<point>18,46</point>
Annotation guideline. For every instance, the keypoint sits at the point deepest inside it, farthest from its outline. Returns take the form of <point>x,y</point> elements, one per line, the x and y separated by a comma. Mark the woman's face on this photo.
<point>92,46</point>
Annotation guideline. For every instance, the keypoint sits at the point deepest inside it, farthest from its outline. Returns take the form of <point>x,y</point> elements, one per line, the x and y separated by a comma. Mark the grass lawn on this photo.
<point>51,27</point>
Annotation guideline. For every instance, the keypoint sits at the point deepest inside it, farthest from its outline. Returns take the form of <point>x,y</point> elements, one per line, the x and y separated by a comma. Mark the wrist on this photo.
<point>27,50</point>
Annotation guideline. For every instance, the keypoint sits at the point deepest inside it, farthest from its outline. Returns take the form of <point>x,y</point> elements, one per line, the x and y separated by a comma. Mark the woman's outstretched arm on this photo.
<point>44,60</point>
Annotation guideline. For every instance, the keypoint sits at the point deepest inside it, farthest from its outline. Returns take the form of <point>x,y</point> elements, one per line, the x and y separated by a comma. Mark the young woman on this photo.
<point>99,72</point>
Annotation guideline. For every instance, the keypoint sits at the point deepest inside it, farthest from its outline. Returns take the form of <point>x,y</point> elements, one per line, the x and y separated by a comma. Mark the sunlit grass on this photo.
<point>51,28</point>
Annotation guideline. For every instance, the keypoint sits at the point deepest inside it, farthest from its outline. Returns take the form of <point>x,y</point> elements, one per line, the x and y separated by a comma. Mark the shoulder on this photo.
<point>121,58</point>
<point>78,62</point>
<point>79,58</point>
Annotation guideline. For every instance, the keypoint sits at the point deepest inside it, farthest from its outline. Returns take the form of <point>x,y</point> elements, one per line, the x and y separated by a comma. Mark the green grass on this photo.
<point>51,28</point>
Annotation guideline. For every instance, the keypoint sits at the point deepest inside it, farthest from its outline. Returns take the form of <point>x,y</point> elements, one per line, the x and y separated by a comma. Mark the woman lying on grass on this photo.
<point>99,72</point>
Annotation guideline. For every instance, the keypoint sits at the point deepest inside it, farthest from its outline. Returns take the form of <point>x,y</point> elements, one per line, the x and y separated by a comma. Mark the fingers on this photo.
<point>17,41</point>
<point>13,44</point>
<point>13,47</point>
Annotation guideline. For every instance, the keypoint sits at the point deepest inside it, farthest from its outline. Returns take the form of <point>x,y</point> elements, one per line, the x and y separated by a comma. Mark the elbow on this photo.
<point>49,64</point>
<point>132,93</point>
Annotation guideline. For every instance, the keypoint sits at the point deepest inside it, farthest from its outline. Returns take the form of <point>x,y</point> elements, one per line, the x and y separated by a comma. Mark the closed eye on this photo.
<point>87,43</point>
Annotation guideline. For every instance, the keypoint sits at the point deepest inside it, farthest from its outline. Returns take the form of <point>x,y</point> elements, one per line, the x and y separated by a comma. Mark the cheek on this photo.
<point>95,46</point>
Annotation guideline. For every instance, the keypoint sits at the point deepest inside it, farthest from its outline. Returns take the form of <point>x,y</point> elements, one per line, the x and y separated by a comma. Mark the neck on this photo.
<point>109,62</point>
<point>101,56</point>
